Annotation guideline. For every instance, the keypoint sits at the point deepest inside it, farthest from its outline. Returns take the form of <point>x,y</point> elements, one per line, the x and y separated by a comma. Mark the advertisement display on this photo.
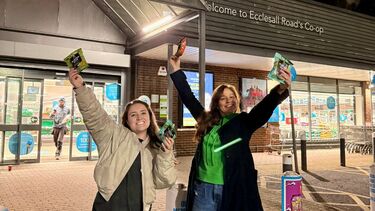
<point>112,91</point>
<point>252,91</point>
<point>291,192</point>
<point>83,140</point>
<point>27,143</point>
<point>193,81</point>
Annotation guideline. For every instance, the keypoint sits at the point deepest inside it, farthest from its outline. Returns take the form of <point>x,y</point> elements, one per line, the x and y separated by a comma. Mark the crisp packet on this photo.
<point>279,62</point>
<point>76,60</point>
<point>181,47</point>
<point>168,130</point>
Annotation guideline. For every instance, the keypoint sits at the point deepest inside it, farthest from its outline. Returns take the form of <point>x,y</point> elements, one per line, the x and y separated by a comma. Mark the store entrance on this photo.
<point>26,126</point>
<point>54,90</point>
<point>20,115</point>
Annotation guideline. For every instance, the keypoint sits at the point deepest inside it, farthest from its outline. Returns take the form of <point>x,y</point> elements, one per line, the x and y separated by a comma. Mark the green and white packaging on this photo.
<point>278,62</point>
<point>76,60</point>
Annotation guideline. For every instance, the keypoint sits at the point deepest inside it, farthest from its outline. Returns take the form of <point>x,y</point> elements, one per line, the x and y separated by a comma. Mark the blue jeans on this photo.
<point>207,197</point>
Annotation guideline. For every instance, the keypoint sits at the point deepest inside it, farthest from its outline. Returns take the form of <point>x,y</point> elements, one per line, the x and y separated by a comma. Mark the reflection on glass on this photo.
<point>347,110</point>
<point>12,101</point>
<point>31,102</point>
<point>1,145</point>
<point>300,114</point>
<point>2,100</point>
<point>324,116</point>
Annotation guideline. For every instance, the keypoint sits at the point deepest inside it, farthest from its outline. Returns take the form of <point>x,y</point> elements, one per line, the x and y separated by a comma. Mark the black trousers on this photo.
<point>58,137</point>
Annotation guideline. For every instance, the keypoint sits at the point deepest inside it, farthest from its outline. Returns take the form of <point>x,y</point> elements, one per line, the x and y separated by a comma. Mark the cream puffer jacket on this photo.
<point>118,147</point>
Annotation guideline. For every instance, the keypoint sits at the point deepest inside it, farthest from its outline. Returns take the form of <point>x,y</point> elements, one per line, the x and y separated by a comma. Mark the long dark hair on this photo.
<point>152,130</point>
<point>209,118</point>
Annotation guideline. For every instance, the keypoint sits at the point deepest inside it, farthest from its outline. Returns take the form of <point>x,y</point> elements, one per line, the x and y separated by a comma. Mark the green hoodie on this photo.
<point>212,164</point>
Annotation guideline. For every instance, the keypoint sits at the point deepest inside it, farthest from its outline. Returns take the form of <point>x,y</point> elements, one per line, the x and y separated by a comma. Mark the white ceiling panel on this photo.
<point>243,61</point>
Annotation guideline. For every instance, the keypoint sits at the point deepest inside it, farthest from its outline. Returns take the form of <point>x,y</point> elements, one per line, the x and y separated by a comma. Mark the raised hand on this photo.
<point>284,74</point>
<point>168,143</point>
<point>175,63</point>
<point>75,79</point>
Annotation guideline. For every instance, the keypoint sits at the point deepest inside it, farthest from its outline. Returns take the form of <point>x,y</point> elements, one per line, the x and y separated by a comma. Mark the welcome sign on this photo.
<point>263,17</point>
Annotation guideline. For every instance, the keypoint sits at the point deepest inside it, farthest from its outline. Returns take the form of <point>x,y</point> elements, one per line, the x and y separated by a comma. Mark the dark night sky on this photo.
<point>362,6</point>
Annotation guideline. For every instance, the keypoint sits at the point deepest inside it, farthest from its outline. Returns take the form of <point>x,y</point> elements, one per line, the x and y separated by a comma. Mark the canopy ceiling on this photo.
<point>132,15</point>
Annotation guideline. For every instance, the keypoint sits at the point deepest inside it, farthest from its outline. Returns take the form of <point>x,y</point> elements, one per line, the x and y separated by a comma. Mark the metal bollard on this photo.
<point>303,151</point>
<point>287,162</point>
<point>372,187</point>
<point>373,147</point>
<point>342,150</point>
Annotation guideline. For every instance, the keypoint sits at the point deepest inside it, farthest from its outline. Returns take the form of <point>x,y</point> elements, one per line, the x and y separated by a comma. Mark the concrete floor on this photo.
<point>63,185</point>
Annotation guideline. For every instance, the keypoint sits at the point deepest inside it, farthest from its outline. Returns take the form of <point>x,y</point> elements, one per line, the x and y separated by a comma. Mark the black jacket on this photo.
<point>240,191</point>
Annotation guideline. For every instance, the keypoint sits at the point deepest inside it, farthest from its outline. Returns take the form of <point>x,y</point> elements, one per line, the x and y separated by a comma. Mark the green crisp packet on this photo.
<point>76,60</point>
<point>168,129</point>
<point>279,62</point>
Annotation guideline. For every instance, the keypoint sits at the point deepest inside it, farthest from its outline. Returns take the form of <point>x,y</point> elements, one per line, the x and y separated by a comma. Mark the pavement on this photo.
<point>64,185</point>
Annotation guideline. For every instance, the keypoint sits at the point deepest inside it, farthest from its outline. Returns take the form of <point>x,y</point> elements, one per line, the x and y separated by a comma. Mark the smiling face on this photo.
<point>138,118</point>
<point>228,102</point>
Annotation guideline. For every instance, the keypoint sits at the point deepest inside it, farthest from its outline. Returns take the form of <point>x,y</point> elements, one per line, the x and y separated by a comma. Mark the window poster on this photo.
<point>193,81</point>
<point>253,91</point>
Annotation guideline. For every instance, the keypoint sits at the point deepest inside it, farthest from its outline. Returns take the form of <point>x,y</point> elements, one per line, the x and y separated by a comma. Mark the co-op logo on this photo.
<point>263,17</point>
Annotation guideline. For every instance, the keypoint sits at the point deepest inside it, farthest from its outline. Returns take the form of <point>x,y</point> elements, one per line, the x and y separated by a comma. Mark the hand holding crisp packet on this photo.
<point>281,63</point>
<point>181,47</point>
<point>167,130</point>
<point>76,60</point>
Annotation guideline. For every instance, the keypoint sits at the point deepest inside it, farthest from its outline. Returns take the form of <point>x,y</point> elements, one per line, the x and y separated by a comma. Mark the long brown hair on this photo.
<point>152,130</point>
<point>209,118</point>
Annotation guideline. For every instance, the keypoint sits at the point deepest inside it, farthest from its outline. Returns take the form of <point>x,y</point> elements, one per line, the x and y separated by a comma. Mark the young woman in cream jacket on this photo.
<point>130,165</point>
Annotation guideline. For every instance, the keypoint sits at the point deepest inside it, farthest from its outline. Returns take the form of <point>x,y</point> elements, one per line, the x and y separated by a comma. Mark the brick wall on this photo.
<point>148,82</point>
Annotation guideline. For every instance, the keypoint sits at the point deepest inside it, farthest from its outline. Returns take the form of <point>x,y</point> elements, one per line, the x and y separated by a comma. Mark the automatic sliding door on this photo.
<point>31,119</point>
<point>54,90</point>
<point>81,140</point>
<point>2,116</point>
<point>10,125</point>
<point>83,146</point>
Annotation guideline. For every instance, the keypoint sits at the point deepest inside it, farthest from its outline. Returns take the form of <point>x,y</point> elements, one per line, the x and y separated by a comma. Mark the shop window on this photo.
<point>300,98</point>
<point>324,124</point>
<point>351,103</point>
<point>300,114</point>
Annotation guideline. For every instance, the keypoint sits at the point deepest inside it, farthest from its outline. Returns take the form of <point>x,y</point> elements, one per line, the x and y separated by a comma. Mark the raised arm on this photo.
<point>184,91</point>
<point>260,114</point>
<point>96,119</point>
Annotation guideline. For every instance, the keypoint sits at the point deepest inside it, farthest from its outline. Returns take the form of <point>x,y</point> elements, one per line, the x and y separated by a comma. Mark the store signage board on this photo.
<point>193,4</point>
<point>252,15</point>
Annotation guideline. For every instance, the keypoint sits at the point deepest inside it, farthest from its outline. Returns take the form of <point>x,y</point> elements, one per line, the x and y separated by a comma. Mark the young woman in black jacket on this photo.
<point>225,180</point>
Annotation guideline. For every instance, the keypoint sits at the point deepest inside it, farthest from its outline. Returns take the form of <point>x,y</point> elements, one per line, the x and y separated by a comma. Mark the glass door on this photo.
<point>82,144</point>
<point>30,128</point>
<point>9,126</point>
<point>20,106</point>
<point>54,91</point>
